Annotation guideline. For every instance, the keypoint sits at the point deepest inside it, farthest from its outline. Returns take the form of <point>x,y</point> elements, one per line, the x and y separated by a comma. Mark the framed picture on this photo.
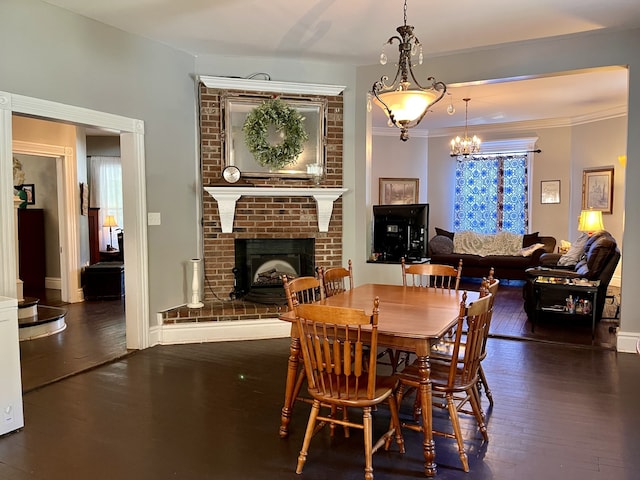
<point>308,163</point>
<point>597,189</point>
<point>550,191</point>
<point>30,190</point>
<point>398,191</point>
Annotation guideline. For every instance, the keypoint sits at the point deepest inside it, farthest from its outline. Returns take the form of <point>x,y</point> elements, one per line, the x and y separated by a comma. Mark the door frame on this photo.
<point>66,168</point>
<point>134,202</point>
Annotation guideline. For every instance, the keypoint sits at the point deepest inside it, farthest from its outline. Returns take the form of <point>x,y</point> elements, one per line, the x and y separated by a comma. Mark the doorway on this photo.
<point>131,134</point>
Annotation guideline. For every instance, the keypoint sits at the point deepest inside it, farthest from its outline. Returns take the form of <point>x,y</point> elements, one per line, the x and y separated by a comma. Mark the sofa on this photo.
<point>509,254</point>
<point>595,259</point>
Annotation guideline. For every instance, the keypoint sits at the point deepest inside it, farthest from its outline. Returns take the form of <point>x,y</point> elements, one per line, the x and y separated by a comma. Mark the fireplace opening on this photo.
<point>260,264</point>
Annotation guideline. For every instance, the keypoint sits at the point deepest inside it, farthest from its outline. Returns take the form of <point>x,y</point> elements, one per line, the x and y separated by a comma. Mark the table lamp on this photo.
<point>110,221</point>
<point>590,221</point>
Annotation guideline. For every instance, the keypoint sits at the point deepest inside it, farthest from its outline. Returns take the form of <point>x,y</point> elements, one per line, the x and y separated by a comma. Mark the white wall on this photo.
<point>52,54</point>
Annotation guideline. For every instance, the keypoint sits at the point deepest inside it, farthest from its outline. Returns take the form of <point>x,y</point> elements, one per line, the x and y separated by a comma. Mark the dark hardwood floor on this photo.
<point>95,334</point>
<point>212,411</point>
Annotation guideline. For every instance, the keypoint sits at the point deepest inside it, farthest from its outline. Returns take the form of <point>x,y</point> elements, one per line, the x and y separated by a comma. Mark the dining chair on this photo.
<point>333,349</point>
<point>335,279</point>
<point>443,350</point>
<point>456,381</point>
<point>431,275</point>
<point>305,289</point>
<point>301,290</point>
<point>427,275</point>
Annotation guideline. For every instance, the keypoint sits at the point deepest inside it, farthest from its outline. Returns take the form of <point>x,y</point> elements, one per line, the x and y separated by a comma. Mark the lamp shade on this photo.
<point>590,221</point>
<point>406,105</point>
<point>110,221</point>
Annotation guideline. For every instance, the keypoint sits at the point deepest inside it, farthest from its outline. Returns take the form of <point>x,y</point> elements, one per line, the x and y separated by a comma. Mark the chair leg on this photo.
<point>477,412</point>
<point>298,386</point>
<point>345,418</point>
<point>485,385</point>
<point>368,443</point>
<point>395,422</point>
<point>455,422</point>
<point>308,434</point>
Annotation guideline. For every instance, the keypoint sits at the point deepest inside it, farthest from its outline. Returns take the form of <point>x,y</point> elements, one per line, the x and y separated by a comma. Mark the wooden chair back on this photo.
<point>302,290</point>
<point>335,279</point>
<point>489,286</point>
<point>432,275</point>
<point>334,354</point>
<point>475,319</point>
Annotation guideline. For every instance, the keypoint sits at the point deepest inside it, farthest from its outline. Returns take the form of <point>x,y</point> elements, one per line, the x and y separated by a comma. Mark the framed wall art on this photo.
<point>307,165</point>
<point>550,191</point>
<point>30,190</point>
<point>597,189</point>
<point>398,191</point>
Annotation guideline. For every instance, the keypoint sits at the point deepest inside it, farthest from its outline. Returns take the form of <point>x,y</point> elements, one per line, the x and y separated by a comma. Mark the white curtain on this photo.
<point>105,187</point>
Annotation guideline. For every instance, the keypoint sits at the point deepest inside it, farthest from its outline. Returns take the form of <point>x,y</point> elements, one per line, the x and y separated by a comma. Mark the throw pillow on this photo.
<point>530,239</point>
<point>528,251</point>
<point>575,253</point>
<point>440,231</point>
<point>441,245</point>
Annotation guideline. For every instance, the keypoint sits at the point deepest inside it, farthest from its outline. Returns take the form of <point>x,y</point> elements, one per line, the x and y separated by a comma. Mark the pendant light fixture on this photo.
<point>463,147</point>
<point>404,103</point>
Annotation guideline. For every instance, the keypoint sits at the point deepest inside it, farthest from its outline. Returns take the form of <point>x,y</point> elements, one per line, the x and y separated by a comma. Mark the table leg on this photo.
<point>292,370</point>
<point>424,391</point>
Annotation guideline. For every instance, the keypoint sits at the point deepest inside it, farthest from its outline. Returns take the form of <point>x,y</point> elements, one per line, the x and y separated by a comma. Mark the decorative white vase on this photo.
<point>195,285</point>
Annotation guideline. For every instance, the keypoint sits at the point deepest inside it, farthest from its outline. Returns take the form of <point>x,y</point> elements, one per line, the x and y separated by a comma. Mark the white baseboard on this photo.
<point>53,283</point>
<point>226,331</point>
<point>627,341</point>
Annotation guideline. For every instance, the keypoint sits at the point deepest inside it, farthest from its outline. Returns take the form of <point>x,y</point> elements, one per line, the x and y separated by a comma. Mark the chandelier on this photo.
<point>405,106</point>
<point>463,147</point>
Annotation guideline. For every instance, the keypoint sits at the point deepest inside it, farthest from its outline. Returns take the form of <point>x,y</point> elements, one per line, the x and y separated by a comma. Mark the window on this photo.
<point>491,194</point>
<point>105,187</point>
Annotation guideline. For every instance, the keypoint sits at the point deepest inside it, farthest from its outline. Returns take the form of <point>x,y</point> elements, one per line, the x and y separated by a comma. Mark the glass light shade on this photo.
<point>406,105</point>
<point>590,221</point>
<point>110,221</point>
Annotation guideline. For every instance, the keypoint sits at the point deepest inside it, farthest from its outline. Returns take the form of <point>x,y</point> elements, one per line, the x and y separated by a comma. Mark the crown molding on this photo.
<point>255,85</point>
<point>528,125</point>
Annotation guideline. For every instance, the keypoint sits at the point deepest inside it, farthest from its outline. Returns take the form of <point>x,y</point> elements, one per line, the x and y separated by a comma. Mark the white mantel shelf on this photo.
<point>228,196</point>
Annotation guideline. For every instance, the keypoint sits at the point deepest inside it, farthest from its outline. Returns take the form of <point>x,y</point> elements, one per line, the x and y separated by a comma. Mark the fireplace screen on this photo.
<point>261,262</point>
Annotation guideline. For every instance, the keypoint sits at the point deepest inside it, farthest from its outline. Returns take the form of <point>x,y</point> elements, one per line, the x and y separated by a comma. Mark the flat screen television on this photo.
<point>400,231</point>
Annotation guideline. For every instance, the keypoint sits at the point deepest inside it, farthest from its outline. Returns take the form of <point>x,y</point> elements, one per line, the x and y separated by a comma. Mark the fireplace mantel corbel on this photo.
<point>228,196</point>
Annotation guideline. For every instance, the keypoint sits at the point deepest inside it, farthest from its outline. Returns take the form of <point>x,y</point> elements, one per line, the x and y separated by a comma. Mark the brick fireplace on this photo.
<point>265,217</point>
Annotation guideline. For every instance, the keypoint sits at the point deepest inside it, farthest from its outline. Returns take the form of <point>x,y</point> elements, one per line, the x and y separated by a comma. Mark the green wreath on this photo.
<point>287,121</point>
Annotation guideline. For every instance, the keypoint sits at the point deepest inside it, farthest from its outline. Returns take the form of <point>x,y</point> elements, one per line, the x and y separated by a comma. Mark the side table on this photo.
<point>556,289</point>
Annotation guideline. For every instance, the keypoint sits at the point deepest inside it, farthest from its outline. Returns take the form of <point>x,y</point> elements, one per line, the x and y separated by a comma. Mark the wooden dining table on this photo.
<point>411,319</point>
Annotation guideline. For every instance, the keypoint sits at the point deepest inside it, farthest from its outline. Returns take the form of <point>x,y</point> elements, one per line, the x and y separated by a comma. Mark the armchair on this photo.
<point>599,261</point>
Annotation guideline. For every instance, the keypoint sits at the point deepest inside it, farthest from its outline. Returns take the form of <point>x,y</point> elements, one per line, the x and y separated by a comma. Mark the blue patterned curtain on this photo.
<point>491,194</point>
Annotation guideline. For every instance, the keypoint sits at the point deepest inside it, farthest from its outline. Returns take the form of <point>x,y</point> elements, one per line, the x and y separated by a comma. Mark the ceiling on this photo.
<point>353,32</point>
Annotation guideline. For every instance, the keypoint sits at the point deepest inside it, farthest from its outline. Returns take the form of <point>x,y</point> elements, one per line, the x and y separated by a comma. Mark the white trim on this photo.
<point>8,247</point>
<point>68,205</point>
<point>228,196</point>
<point>533,125</point>
<point>52,283</point>
<point>134,183</point>
<point>221,331</point>
<point>627,341</point>
<point>251,85</point>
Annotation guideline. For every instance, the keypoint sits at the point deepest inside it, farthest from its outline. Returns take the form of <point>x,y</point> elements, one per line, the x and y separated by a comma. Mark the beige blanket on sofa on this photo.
<point>503,243</point>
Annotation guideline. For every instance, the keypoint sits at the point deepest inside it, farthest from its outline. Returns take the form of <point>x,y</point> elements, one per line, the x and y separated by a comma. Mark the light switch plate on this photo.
<point>153,218</point>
